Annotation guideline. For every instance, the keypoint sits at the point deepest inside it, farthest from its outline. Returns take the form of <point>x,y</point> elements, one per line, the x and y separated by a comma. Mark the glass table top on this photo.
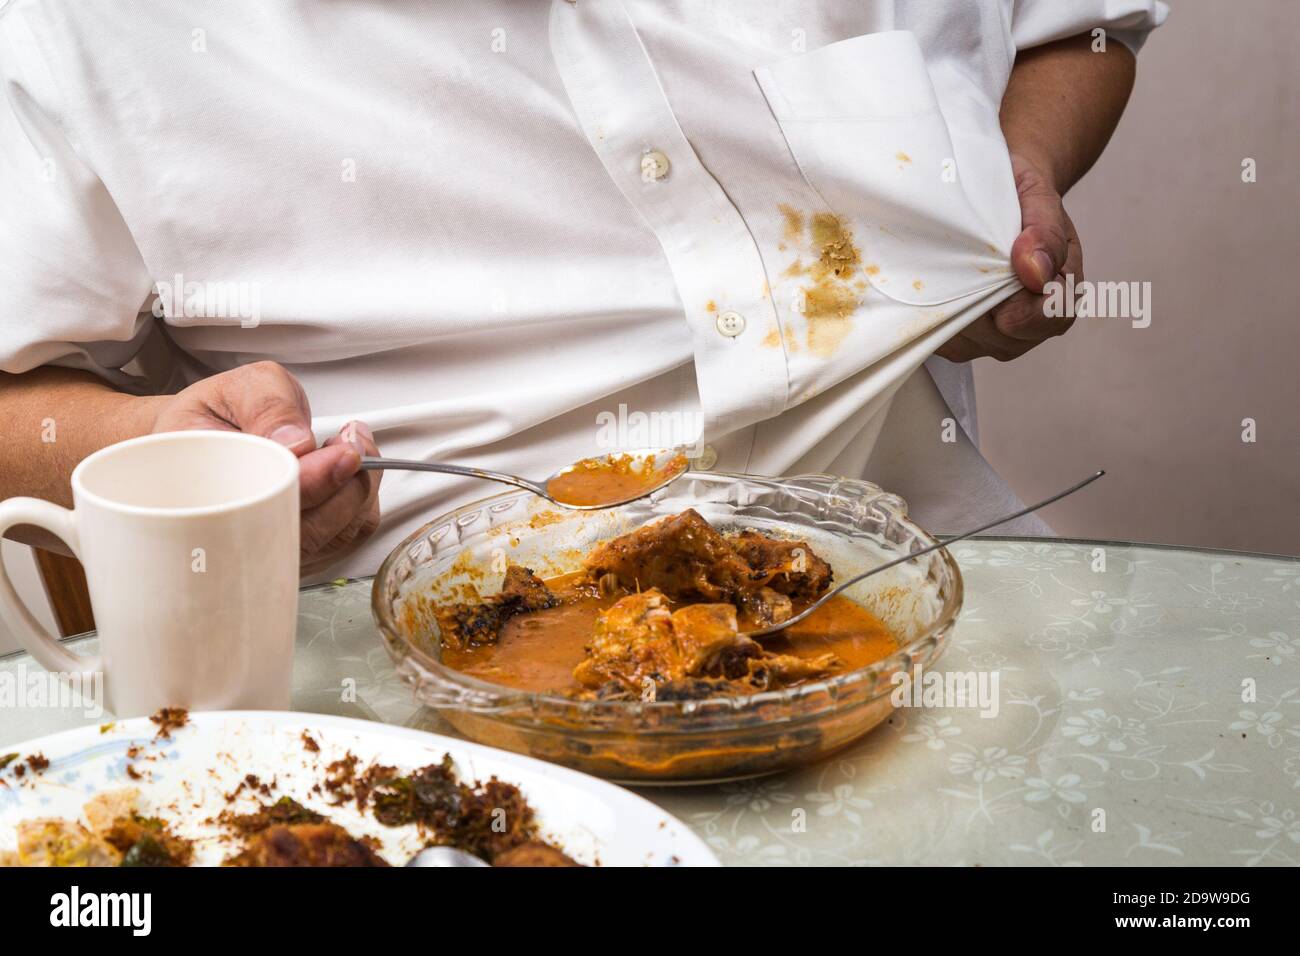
<point>1147,712</point>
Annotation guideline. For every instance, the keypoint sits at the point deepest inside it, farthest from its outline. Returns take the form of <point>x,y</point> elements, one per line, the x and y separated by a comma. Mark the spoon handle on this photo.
<point>772,629</point>
<point>369,463</point>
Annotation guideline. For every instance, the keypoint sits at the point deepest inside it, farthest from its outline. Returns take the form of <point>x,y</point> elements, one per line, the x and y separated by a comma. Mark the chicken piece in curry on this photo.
<point>660,613</point>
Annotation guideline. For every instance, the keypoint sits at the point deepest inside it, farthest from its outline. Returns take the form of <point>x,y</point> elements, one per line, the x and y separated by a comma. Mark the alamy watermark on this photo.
<point>1102,300</point>
<point>39,689</point>
<point>626,430</point>
<point>943,689</point>
<point>234,301</point>
<point>89,908</point>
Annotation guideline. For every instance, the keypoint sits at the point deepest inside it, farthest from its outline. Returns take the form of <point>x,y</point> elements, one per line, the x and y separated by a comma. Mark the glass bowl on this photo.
<point>852,524</point>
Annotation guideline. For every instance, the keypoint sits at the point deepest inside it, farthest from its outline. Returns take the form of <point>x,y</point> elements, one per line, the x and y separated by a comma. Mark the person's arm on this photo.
<point>1062,103</point>
<point>55,417</point>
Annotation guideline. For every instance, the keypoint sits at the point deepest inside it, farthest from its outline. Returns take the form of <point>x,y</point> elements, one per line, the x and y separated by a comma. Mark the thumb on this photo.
<point>265,399</point>
<point>1038,254</point>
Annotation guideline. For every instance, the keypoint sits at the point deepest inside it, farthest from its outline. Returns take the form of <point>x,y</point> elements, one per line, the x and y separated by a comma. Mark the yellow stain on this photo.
<point>793,222</point>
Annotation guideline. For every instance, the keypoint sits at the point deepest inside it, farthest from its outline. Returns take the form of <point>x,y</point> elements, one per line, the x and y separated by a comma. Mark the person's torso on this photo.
<point>496,230</point>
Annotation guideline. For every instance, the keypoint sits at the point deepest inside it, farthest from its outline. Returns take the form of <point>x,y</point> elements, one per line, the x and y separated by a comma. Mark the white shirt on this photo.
<point>514,234</point>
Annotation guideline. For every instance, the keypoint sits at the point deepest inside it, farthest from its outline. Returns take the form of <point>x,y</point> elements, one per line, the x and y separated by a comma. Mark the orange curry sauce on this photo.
<point>538,651</point>
<point>599,481</point>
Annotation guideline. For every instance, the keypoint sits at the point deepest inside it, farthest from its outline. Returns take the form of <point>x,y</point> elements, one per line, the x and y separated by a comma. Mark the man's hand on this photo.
<point>1046,249</point>
<point>339,503</point>
<point>1060,106</point>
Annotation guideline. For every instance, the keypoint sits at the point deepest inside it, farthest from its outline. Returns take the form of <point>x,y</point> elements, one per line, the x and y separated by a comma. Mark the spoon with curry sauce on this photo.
<point>586,485</point>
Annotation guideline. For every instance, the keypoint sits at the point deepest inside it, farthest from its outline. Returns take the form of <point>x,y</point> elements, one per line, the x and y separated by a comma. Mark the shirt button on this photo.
<point>707,459</point>
<point>731,324</point>
<point>654,165</point>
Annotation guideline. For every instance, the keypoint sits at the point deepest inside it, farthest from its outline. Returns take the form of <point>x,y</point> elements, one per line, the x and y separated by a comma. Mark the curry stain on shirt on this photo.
<point>831,294</point>
<point>793,222</point>
<point>830,300</point>
<point>777,337</point>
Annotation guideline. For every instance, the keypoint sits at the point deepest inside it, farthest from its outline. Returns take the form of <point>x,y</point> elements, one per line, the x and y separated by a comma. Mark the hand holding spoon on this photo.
<point>587,485</point>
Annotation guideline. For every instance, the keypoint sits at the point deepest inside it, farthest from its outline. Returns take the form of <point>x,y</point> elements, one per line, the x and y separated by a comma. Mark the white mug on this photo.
<point>190,544</point>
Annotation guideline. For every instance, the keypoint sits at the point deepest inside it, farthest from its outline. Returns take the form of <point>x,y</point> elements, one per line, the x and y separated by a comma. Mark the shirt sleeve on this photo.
<point>73,284</point>
<point>1035,22</point>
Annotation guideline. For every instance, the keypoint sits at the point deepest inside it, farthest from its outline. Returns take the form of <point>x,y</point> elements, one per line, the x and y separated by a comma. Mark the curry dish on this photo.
<point>660,614</point>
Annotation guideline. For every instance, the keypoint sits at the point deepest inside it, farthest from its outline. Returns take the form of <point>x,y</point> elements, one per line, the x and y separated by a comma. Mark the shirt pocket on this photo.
<point>863,122</point>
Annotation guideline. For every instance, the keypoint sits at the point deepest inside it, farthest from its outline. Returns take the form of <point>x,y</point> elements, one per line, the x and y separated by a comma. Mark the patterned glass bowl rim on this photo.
<point>439,686</point>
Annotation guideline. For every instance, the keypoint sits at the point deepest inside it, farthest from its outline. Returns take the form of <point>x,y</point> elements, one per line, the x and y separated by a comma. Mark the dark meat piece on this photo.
<point>686,559</point>
<point>525,590</point>
<point>766,606</point>
<point>533,854</point>
<point>470,625</point>
<point>789,567</point>
<point>306,844</point>
<point>681,555</point>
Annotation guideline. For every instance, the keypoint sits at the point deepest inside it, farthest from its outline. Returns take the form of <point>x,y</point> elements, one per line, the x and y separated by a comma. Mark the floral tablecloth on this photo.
<point>1148,713</point>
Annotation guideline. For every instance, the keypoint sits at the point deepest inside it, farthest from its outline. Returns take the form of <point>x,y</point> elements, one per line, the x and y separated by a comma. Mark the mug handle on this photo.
<point>42,645</point>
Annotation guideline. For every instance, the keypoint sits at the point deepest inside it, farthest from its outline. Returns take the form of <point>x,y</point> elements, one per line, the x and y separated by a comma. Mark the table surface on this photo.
<point>1149,713</point>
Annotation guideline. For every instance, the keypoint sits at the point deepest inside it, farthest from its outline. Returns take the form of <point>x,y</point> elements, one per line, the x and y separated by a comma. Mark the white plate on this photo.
<point>186,779</point>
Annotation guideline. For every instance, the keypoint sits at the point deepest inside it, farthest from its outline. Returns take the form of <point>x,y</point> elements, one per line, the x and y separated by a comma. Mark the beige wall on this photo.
<point>1161,407</point>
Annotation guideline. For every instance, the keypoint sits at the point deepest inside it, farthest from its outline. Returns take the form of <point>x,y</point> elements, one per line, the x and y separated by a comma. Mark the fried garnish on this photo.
<point>486,819</point>
<point>148,841</point>
<point>286,810</point>
<point>168,719</point>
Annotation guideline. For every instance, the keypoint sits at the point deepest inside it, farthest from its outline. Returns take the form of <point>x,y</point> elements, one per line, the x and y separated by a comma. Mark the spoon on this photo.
<point>586,485</point>
<point>773,628</point>
<point>444,856</point>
